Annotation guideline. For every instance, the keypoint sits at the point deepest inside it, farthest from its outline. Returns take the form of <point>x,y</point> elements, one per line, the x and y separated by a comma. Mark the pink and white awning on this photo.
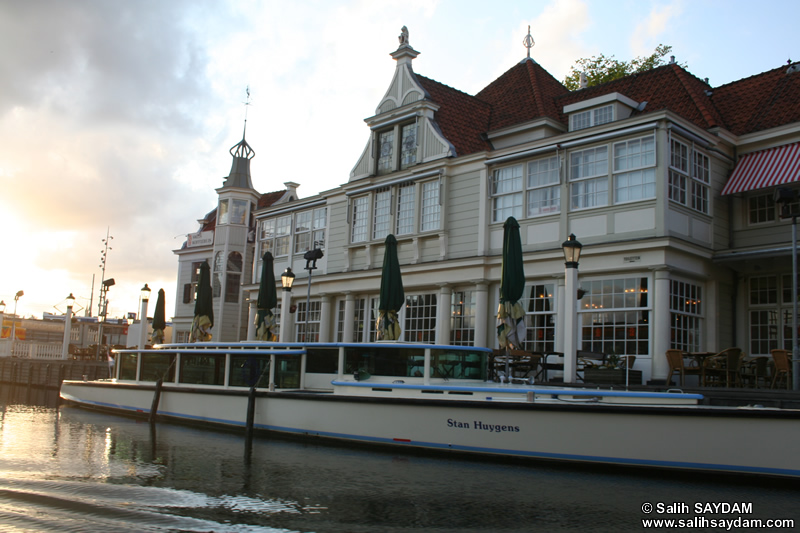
<point>767,168</point>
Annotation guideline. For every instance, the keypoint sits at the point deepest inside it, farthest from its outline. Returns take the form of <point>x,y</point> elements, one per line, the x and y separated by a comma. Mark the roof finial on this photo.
<point>246,105</point>
<point>528,41</point>
<point>403,37</point>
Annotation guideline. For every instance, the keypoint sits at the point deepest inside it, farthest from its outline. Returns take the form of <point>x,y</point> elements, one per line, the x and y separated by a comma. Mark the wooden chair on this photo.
<point>675,360</point>
<point>723,368</point>
<point>781,369</point>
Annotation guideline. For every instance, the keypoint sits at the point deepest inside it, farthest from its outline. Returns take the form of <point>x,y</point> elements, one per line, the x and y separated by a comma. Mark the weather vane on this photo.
<point>246,105</point>
<point>528,41</point>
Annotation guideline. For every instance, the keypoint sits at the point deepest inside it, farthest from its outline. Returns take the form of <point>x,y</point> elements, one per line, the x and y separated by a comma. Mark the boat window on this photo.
<point>459,364</point>
<point>246,370</point>
<point>127,365</point>
<point>157,366</point>
<point>383,361</point>
<point>203,369</point>
<point>322,361</point>
<point>287,371</point>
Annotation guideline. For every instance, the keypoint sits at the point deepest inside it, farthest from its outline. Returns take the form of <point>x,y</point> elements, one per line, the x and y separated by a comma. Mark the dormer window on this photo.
<point>591,117</point>
<point>402,140</point>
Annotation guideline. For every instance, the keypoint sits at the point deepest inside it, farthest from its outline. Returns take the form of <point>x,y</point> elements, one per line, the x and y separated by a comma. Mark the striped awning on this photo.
<point>766,168</point>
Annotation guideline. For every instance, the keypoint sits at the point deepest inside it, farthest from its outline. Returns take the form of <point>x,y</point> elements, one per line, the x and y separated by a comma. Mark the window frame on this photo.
<point>392,148</point>
<point>645,170</point>
<point>585,176</point>
<point>401,208</point>
<point>689,176</point>
<point>591,117</point>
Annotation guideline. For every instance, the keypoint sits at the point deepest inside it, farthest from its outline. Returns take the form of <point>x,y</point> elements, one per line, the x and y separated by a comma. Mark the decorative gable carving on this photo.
<point>405,101</point>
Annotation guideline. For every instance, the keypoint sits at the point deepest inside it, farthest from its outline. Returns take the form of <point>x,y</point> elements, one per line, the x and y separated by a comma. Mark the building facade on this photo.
<point>667,182</point>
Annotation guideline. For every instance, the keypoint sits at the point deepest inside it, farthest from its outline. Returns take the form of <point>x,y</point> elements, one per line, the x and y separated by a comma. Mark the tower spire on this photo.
<point>246,105</point>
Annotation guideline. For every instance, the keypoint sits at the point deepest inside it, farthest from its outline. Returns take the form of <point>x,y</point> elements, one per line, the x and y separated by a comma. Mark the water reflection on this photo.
<point>72,470</point>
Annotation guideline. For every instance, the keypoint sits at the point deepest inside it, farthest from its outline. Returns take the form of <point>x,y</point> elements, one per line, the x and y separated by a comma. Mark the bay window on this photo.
<point>634,169</point>
<point>689,176</point>
<point>401,209</point>
<point>589,178</point>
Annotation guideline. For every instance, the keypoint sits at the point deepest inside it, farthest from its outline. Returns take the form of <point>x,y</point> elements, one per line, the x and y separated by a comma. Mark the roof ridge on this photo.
<point>702,102</point>
<point>533,77</point>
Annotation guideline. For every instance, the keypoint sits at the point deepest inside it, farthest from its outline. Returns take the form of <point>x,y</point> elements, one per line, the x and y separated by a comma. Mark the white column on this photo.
<point>661,325</point>
<point>143,325</point>
<point>251,319</point>
<point>67,331</point>
<point>287,318</point>
<point>482,314</point>
<point>570,323</point>
<point>349,317</point>
<point>561,319</point>
<point>443,315</point>
<point>325,318</point>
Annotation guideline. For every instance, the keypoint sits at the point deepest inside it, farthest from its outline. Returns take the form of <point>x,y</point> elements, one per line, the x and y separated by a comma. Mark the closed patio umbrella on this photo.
<point>203,307</point>
<point>267,300</point>
<point>159,320</point>
<point>392,296</point>
<point>511,314</point>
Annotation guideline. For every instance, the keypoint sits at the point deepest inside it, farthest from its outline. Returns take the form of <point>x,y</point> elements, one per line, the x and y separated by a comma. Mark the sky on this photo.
<point>117,115</point>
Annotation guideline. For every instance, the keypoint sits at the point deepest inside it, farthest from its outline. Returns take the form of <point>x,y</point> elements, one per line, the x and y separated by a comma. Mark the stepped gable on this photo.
<point>525,92</point>
<point>461,118</point>
<point>760,102</point>
<point>269,198</point>
<point>666,87</point>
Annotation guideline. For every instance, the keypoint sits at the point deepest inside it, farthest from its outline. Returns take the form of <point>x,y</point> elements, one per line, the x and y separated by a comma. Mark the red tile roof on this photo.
<point>760,102</point>
<point>462,118</point>
<point>269,198</point>
<point>525,92</point>
<point>666,87</point>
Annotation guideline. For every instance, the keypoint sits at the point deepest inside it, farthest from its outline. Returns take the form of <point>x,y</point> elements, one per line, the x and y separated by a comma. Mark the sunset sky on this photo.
<point>119,114</point>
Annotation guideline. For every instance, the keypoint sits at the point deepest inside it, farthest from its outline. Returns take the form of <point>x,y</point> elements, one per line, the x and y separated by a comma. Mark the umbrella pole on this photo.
<point>508,376</point>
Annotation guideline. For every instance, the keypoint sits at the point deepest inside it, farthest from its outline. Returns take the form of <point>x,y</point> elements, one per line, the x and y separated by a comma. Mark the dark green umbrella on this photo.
<point>392,296</point>
<point>267,300</point>
<point>159,320</point>
<point>511,314</point>
<point>203,307</point>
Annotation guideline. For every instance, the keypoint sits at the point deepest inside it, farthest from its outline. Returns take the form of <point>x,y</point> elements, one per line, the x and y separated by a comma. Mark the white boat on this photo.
<point>437,397</point>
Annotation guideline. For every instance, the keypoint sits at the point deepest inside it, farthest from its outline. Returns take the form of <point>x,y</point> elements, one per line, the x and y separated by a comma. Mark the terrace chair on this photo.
<point>675,360</point>
<point>781,369</point>
<point>723,368</point>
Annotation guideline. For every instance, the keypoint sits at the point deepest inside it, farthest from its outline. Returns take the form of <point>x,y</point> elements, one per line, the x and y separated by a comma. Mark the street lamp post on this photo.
<point>783,198</point>
<point>287,280</point>
<point>67,327</point>
<point>311,257</point>
<point>143,317</point>
<point>572,253</point>
<point>17,296</point>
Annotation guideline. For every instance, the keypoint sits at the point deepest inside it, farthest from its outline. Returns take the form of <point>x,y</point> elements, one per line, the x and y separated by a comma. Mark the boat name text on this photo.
<point>477,424</point>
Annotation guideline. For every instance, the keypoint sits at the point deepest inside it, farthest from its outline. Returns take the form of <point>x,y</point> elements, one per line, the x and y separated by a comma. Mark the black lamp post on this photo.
<point>311,257</point>
<point>287,280</point>
<point>572,253</point>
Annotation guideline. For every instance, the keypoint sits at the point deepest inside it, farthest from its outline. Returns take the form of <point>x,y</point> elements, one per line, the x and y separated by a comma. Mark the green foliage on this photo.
<point>602,69</point>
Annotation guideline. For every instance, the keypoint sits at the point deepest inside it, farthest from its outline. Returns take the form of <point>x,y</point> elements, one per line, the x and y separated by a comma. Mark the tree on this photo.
<point>602,69</point>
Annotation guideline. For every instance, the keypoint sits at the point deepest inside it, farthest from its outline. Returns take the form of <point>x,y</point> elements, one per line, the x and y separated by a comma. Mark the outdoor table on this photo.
<point>547,365</point>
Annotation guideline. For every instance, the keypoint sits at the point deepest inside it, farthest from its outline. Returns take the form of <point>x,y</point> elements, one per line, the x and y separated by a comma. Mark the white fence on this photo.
<point>31,350</point>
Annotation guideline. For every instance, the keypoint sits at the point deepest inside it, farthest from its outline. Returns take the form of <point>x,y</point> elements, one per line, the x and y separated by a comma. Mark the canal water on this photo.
<point>64,469</point>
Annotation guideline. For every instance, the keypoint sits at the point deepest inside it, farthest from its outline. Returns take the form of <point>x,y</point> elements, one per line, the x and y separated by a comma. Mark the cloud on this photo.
<point>648,33</point>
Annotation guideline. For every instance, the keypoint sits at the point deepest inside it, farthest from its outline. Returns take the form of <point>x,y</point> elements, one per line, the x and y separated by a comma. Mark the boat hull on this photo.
<point>733,440</point>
